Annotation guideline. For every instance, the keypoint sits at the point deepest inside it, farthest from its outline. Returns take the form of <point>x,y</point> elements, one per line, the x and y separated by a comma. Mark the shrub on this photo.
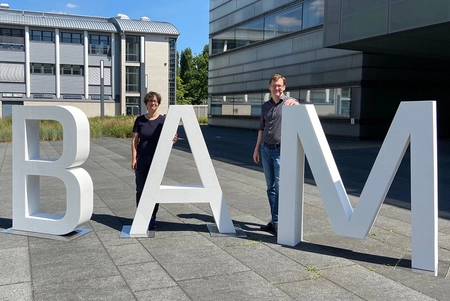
<point>202,120</point>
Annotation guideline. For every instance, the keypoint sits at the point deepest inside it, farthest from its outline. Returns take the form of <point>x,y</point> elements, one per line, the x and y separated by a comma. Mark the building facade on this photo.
<point>62,59</point>
<point>354,60</point>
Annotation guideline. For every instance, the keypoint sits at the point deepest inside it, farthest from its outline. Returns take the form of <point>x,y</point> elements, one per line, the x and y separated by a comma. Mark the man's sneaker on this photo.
<point>152,223</point>
<point>267,228</point>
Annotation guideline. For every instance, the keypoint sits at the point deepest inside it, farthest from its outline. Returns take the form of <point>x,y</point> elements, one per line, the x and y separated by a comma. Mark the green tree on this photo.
<point>186,65</point>
<point>181,99</point>
<point>192,86</point>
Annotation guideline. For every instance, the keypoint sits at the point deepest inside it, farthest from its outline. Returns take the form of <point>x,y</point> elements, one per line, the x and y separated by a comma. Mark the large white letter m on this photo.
<point>414,124</point>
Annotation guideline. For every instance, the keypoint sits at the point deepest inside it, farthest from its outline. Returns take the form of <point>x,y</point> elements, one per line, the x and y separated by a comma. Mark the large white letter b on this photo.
<point>28,166</point>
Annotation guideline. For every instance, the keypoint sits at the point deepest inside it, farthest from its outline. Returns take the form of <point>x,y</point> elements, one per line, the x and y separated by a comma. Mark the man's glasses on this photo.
<point>277,86</point>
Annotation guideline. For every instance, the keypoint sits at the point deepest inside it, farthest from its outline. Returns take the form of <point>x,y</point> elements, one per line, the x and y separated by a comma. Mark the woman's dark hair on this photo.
<point>150,95</point>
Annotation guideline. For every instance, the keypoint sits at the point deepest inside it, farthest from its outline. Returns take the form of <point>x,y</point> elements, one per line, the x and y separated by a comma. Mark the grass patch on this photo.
<point>51,130</point>
<point>5,129</point>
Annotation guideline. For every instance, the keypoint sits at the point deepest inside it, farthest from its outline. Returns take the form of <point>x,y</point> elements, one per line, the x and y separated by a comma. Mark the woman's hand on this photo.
<point>175,138</point>
<point>133,164</point>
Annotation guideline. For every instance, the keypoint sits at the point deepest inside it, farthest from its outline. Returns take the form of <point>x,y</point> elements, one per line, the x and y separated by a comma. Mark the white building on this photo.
<point>57,59</point>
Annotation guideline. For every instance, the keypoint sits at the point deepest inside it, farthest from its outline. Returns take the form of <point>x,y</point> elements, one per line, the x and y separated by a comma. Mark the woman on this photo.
<point>146,131</point>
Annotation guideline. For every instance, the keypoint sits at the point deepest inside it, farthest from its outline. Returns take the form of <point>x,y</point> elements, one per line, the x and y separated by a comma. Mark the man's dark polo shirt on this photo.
<point>270,121</point>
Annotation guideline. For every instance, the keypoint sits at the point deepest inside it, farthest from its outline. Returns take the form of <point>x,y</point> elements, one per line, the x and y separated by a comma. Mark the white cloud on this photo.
<point>71,5</point>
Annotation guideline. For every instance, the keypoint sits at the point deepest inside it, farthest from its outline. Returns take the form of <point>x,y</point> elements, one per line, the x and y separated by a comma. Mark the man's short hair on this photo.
<point>276,77</point>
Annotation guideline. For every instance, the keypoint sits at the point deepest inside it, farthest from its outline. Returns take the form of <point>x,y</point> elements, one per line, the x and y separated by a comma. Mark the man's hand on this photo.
<point>290,102</point>
<point>256,156</point>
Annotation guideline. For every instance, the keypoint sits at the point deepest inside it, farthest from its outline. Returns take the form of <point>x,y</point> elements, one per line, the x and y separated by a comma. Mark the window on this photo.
<point>172,71</point>
<point>76,70</point>
<point>66,69</point>
<point>12,39</point>
<point>99,44</point>
<point>72,96</point>
<point>132,79</point>
<point>132,48</point>
<point>41,35</point>
<point>69,37</point>
<point>48,68</point>
<point>313,13</point>
<point>328,102</point>
<point>282,22</point>
<point>38,68</point>
<point>250,33</point>
<point>132,105</point>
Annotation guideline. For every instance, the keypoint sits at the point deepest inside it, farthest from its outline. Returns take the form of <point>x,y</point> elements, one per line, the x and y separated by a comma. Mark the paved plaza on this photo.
<point>183,261</point>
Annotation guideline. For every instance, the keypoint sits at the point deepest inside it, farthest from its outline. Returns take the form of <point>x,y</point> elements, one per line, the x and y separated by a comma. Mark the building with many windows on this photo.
<point>62,59</point>
<point>354,60</point>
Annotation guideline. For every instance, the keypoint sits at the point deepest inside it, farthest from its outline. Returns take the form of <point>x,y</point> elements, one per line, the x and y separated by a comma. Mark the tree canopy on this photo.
<point>192,77</point>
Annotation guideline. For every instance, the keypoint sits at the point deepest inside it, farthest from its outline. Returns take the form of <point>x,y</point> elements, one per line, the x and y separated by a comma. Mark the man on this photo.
<point>269,143</point>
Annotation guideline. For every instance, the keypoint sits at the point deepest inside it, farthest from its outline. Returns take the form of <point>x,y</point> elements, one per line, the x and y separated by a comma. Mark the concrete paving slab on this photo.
<point>98,288</point>
<point>317,288</point>
<point>237,286</point>
<point>184,262</point>
<point>21,291</point>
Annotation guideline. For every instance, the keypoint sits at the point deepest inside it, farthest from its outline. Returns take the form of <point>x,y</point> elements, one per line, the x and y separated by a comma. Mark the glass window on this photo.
<point>66,69</point>
<point>132,105</point>
<point>99,44</point>
<point>94,39</point>
<point>66,37</point>
<point>47,68</point>
<point>39,35</point>
<point>220,42</point>
<point>12,38</point>
<point>250,33</point>
<point>17,32</point>
<point>283,22</point>
<point>132,48</point>
<point>75,38</point>
<point>36,68</point>
<point>36,35</point>
<point>5,32</point>
<point>328,102</point>
<point>292,19</point>
<point>77,70</point>
<point>48,36</point>
<point>313,13</point>
<point>132,79</point>
<point>172,71</point>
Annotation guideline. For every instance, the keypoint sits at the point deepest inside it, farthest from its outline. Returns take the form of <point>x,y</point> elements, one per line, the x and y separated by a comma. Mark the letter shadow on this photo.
<point>5,223</point>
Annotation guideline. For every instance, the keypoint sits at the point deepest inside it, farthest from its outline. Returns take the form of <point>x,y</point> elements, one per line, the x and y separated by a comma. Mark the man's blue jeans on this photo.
<point>270,158</point>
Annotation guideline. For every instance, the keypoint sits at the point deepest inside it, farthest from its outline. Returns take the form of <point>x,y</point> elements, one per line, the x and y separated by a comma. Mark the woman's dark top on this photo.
<point>149,132</point>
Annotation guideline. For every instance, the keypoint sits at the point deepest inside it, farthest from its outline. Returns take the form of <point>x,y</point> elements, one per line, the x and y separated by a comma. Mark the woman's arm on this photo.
<point>134,144</point>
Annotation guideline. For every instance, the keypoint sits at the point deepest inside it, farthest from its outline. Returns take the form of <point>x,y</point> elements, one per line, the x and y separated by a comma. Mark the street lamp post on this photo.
<point>102,90</point>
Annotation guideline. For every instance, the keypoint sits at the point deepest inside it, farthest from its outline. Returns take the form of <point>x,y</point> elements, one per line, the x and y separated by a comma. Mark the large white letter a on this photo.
<point>210,192</point>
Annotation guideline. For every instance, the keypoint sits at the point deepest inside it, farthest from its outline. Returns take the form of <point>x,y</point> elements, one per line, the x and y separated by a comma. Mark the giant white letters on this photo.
<point>210,192</point>
<point>28,166</point>
<point>414,124</point>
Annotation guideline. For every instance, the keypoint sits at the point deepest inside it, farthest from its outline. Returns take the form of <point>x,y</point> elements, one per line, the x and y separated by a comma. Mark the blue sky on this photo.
<point>190,17</point>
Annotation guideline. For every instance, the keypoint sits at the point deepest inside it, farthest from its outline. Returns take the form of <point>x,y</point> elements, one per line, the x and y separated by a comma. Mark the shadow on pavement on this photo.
<point>354,159</point>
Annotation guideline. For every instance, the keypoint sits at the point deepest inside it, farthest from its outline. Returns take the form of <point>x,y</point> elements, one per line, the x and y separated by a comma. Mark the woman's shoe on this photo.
<point>152,223</point>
